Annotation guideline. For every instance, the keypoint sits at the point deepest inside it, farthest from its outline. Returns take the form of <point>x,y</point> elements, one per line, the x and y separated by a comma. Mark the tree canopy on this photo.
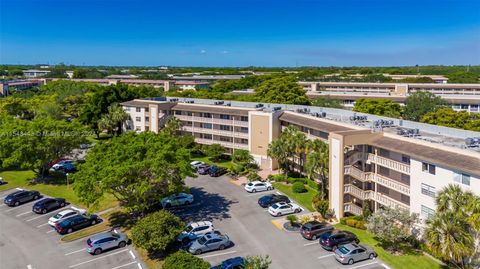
<point>182,259</point>
<point>420,103</point>
<point>381,107</point>
<point>284,90</point>
<point>450,118</point>
<point>138,169</point>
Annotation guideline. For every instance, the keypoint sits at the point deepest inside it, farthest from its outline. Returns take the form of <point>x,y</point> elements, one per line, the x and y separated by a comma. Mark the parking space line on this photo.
<point>41,225</point>
<point>98,258</point>
<point>218,254</point>
<point>358,266</point>
<point>23,214</point>
<point>50,231</point>
<point>120,266</point>
<point>29,266</point>
<point>276,224</point>
<point>324,256</point>
<point>131,254</point>
<point>309,244</point>
<point>37,217</point>
<point>76,251</point>
<point>139,266</point>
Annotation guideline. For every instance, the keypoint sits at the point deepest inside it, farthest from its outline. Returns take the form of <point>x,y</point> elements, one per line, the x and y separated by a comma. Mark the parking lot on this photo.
<point>236,213</point>
<point>27,241</point>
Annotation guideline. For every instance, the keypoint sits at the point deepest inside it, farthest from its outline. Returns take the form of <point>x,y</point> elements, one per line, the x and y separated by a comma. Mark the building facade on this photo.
<point>368,164</point>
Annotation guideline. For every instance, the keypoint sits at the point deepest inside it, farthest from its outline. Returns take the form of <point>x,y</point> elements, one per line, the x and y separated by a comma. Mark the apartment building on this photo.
<point>369,163</point>
<point>7,86</point>
<point>462,96</point>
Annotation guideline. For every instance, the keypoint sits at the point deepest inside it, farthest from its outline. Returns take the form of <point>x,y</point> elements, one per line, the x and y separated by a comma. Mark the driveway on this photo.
<point>235,212</point>
<point>27,241</point>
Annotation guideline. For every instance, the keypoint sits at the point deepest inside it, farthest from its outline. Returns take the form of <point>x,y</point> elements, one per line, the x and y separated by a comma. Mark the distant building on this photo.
<point>69,74</point>
<point>208,77</point>
<point>34,73</point>
<point>191,85</point>
<point>121,76</point>
<point>7,86</point>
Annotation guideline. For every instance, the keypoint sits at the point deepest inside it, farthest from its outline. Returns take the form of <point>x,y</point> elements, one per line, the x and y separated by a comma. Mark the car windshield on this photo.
<point>275,206</point>
<point>343,250</point>
<point>57,216</point>
<point>202,240</point>
<point>189,228</point>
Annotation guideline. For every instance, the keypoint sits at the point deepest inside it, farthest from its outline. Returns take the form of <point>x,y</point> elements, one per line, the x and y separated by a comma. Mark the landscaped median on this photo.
<point>404,261</point>
<point>303,199</point>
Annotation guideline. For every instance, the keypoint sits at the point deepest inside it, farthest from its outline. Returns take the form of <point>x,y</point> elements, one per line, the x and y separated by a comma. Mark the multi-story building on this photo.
<point>7,86</point>
<point>33,73</point>
<point>462,96</point>
<point>376,160</point>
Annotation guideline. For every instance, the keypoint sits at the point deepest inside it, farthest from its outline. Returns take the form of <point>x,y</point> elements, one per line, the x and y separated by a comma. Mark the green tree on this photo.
<point>462,77</point>
<point>34,144</point>
<point>392,226</point>
<point>278,150</point>
<point>172,125</point>
<point>242,156</point>
<point>291,143</point>
<point>157,231</point>
<point>381,107</point>
<point>138,169</point>
<point>182,259</point>
<point>327,102</point>
<point>113,121</point>
<point>316,164</point>
<point>214,151</point>
<point>284,90</point>
<point>450,118</point>
<point>420,103</point>
<point>257,262</point>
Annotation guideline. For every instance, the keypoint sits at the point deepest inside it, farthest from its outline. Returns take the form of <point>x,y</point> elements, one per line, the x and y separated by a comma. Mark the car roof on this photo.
<point>45,200</point>
<point>353,246</point>
<point>234,261</point>
<point>66,211</point>
<point>256,181</point>
<point>201,223</point>
<point>312,223</point>
<point>15,193</point>
<point>101,236</point>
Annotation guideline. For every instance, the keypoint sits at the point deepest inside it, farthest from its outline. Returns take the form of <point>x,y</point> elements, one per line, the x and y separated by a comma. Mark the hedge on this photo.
<point>359,224</point>
<point>357,218</point>
<point>298,187</point>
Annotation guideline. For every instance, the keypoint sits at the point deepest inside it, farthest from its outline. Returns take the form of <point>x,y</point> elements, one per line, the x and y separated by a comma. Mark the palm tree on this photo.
<point>242,156</point>
<point>453,198</point>
<point>172,125</point>
<point>295,142</point>
<point>317,163</point>
<point>278,150</point>
<point>105,123</point>
<point>113,120</point>
<point>449,237</point>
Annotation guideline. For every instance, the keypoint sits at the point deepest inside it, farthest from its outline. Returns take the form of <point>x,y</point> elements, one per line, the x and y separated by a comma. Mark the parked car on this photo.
<point>196,164</point>
<point>177,200</point>
<point>65,214</point>
<point>216,171</point>
<point>104,241</point>
<point>65,165</point>
<point>48,204</point>
<point>187,242</point>
<point>203,169</point>
<point>313,229</point>
<point>20,197</point>
<point>283,208</point>
<point>270,199</point>
<point>331,240</point>
<point>209,242</point>
<point>195,230</point>
<point>75,223</point>
<point>232,263</point>
<point>351,253</point>
<point>255,186</point>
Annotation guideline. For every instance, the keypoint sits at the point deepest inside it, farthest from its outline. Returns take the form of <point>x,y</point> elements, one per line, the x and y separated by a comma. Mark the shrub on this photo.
<point>298,187</point>
<point>360,225</point>
<point>182,259</point>
<point>292,219</point>
<point>277,178</point>
<point>357,218</point>
<point>304,219</point>
<point>351,222</point>
<point>322,207</point>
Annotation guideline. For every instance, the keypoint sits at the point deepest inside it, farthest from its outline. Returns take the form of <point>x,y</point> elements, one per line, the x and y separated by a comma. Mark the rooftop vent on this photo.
<point>258,105</point>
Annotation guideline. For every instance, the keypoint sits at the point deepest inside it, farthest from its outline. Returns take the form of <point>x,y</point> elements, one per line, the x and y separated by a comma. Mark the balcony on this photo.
<point>215,132</point>
<point>376,196</point>
<point>383,180</point>
<point>356,191</point>
<point>352,208</point>
<point>222,143</point>
<point>355,157</point>
<point>389,163</point>
<point>212,120</point>
<point>390,202</point>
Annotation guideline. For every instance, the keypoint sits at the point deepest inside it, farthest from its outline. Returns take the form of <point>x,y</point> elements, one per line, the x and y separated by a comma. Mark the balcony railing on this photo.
<point>215,131</point>
<point>389,163</point>
<point>352,208</point>
<point>364,195</point>
<point>212,120</point>
<point>383,180</point>
<point>390,202</point>
<point>222,143</point>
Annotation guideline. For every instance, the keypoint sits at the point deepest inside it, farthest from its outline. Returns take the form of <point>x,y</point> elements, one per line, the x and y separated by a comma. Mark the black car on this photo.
<point>20,197</point>
<point>216,171</point>
<point>313,229</point>
<point>268,200</point>
<point>48,204</point>
<point>331,240</point>
<point>203,169</point>
<point>75,223</point>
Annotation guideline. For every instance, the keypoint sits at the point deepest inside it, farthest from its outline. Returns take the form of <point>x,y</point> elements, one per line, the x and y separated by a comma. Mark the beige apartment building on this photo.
<point>369,162</point>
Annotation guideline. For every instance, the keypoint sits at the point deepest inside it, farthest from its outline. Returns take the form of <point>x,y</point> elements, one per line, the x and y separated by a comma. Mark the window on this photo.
<point>146,109</point>
<point>147,119</point>
<point>138,109</point>
<point>178,112</point>
<point>206,115</point>
<point>206,125</point>
<point>428,190</point>
<point>462,178</point>
<point>224,117</point>
<point>127,108</point>
<point>244,118</point>
<point>138,119</point>
<point>244,130</point>
<point>427,167</point>
<point>189,114</point>
<point>406,159</point>
<point>137,128</point>
<point>427,212</point>
<point>224,127</point>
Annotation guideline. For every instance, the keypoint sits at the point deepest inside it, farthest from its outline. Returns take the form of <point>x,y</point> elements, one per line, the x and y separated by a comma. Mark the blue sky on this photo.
<point>240,32</point>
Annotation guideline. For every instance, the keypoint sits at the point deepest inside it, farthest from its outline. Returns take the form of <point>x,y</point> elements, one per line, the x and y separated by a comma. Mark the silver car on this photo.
<point>209,242</point>
<point>351,253</point>
<point>100,242</point>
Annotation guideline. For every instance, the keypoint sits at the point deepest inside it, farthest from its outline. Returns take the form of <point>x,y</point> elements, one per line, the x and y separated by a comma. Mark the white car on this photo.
<point>283,208</point>
<point>195,230</point>
<point>177,200</point>
<point>65,214</point>
<point>196,164</point>
<point>255,186</point>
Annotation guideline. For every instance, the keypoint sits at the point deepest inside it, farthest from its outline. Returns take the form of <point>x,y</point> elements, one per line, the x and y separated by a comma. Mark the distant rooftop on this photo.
<point>209,77</point>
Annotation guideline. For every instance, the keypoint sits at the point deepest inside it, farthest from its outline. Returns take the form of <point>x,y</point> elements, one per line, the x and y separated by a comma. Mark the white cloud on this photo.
<point>203,51</point>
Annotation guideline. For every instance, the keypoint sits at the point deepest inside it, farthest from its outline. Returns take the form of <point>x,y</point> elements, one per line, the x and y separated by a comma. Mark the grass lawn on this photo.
<point>303,199</point>
<point>21,179</point>
<point>407,261</point>
<point>222,163</point>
